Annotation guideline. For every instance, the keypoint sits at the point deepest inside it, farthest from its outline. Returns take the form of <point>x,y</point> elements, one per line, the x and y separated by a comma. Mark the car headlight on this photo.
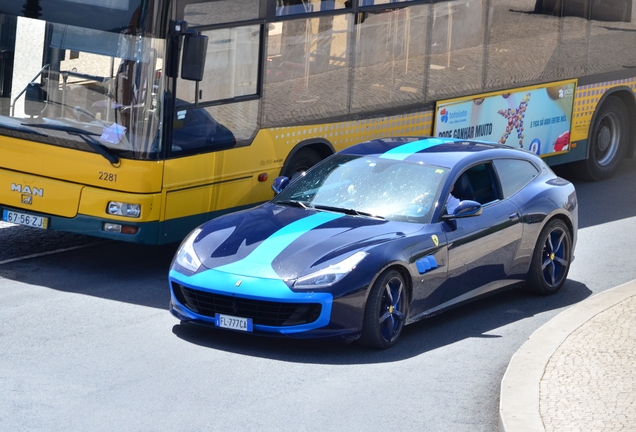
<point>331,274</point>
<point>186,256</point>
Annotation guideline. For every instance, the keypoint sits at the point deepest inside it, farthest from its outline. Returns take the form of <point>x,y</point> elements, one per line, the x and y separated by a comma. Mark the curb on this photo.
<point>519,392</point>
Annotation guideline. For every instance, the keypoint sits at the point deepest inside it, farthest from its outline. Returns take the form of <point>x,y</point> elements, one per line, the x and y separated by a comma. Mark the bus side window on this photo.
<point>214,128</point>
<point>195,129</point>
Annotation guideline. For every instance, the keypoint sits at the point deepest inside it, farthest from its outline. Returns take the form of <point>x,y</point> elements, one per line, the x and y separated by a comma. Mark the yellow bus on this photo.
<point>137,120</point>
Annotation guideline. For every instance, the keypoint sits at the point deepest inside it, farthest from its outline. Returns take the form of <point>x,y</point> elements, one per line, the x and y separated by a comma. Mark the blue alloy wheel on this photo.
<point>385,312</point>
<point>552,258</point>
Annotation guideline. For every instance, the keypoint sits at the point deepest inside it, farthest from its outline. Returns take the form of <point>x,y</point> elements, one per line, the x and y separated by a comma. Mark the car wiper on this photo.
<point>348,211</point>
<point>294,203</point>
<point>84,135</point>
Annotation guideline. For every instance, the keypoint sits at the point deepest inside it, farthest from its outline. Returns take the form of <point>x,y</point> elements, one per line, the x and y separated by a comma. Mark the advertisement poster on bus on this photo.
<point>534,118</point>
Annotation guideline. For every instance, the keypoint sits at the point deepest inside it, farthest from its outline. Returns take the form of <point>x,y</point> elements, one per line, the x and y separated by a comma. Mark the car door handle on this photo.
<point>514,216</point>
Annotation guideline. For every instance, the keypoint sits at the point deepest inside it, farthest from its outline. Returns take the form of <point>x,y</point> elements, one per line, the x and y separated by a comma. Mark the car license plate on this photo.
<point>234,323</point>
<point>25,219</point>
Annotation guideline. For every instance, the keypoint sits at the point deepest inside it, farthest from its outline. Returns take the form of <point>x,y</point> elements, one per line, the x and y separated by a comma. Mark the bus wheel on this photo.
<point>607,142</point>
<point>301,162</point>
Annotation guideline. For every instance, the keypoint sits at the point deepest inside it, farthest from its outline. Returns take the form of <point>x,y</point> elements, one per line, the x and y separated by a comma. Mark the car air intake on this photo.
<point>269,313</point>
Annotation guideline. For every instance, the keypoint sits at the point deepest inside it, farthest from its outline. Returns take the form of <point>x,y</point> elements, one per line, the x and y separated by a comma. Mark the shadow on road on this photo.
<point>475,320</point>
<point>605,201</point>
<point>130,273</point>
<point>137,274</point>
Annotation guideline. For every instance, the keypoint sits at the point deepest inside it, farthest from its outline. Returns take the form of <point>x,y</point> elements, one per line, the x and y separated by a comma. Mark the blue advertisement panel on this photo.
<point>534,118</point>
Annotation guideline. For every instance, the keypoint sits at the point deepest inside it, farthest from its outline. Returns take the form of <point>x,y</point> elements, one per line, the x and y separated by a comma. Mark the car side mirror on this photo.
<point>467,208</point>
<point>280,183</point>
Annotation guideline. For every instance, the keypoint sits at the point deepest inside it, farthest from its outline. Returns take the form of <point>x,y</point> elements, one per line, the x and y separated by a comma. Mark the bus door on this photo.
<point>210,165</point>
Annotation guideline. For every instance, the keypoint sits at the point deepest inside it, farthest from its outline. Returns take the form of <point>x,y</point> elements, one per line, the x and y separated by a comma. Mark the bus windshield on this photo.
<point>81,88</point>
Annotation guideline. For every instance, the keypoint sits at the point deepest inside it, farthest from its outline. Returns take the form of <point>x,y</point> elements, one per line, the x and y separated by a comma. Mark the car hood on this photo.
<point>281,242</point>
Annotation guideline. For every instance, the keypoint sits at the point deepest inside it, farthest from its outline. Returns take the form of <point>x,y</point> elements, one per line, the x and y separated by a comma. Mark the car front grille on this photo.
<point>269,313</point>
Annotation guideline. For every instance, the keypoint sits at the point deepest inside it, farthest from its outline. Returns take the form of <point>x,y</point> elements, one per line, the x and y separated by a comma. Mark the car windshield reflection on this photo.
<point>370,187</point>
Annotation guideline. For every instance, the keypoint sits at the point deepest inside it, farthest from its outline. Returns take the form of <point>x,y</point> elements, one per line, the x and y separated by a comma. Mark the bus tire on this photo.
<point>301,162</point>
<point>608,141</point>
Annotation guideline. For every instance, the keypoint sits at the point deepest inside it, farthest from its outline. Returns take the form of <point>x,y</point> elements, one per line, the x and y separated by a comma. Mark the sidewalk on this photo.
<point>578,371</point>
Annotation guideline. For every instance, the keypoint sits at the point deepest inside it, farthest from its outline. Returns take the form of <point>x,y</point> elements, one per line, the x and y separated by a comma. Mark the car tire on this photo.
<point>608,141</point>
<point>301,162</point>
<point>385,311</point>
<point>551,259</point>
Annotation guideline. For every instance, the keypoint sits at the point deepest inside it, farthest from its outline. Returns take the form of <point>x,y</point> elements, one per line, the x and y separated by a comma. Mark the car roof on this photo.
<point>443,152</point>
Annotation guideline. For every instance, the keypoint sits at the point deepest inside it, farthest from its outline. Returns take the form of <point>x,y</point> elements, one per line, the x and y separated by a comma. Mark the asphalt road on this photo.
<point>87,344</point>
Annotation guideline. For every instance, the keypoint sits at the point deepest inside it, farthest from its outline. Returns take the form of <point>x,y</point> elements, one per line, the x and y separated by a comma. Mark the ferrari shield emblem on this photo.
<point>435,240</point>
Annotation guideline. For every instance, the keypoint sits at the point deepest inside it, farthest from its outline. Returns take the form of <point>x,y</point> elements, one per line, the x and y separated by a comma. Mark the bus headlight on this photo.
<point>124,209</point>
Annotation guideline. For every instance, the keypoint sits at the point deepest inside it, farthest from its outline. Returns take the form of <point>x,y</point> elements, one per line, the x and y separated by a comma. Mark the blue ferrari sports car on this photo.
<point>378,236</point>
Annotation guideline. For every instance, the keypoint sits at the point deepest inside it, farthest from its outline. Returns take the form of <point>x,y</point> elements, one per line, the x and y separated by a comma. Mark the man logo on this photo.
<point>27,199</point>
<point>27,190</point>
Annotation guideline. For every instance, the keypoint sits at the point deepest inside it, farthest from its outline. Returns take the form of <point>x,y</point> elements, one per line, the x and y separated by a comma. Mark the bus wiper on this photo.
<point>295,203</point>
<point>84,135</point>
<point>16,126</point>
<point>63,128</point>
<point>348,211</point>
<point>99,148</point>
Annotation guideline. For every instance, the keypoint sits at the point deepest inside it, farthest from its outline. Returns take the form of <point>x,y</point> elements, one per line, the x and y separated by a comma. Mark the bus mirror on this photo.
<point>34,100</point>
<point>193,62</point>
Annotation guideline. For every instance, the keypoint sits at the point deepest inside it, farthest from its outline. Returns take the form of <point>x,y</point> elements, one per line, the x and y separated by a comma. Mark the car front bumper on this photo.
<point>274,308</point>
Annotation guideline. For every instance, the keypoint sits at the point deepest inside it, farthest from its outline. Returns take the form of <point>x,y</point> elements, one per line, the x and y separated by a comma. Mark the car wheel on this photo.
<point>385,311</point>
<point>301,162</point>
<point>608,141</point>
<point>551,259</point>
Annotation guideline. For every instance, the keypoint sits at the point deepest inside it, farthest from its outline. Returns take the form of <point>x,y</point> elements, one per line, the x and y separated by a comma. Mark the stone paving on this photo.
<point>589,382</point>
<point>578,371</point>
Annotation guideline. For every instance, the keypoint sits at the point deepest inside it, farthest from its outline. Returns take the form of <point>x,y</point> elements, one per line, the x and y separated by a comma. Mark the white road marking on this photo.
<point>52,252</point>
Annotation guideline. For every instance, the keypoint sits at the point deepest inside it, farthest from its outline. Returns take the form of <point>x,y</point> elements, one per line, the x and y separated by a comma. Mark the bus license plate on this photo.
<point>25,219</point>
<point>234,323</point>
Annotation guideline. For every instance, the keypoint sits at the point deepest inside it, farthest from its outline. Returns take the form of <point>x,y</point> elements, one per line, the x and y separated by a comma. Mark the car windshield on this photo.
<point>369,186</point>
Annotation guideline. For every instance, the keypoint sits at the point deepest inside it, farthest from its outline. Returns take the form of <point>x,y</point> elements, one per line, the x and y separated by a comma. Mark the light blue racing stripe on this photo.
<point>406,150</point>
<point>259,262</point>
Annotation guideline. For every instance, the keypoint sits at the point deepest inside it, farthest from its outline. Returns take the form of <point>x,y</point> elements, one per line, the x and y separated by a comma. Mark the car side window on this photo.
<point>514,174</point>
<point>477,183</point>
